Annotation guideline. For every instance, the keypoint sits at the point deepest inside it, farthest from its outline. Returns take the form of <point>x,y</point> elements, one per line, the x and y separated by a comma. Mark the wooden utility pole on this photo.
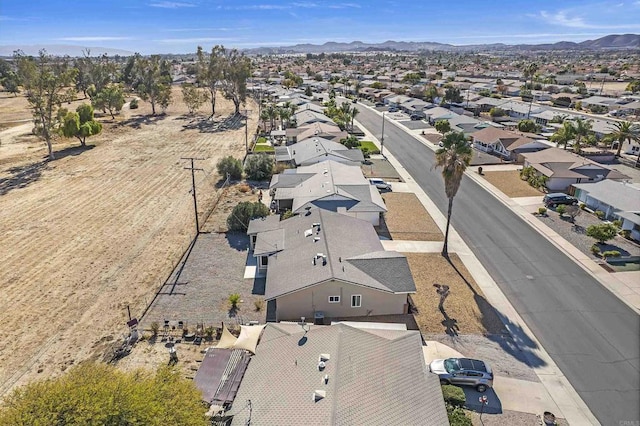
<point>382,138</point>
<point>193,187</point>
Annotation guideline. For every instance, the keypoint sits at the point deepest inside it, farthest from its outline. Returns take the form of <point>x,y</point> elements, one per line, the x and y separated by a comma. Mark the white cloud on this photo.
<point>171,4</point>
<point>195,40</point>
<point>569,19</point>
<point>94,38</point>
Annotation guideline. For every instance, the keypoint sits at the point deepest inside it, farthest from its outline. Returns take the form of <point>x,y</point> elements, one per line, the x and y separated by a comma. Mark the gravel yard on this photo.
<point>511,418</point>
<point>576,234</point>
<point>466,311</point>
<point>379,167</point>
<point>510,184</point>
<point>407,219</point>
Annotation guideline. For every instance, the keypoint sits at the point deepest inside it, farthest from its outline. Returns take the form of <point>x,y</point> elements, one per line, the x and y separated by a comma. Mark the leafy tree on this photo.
<point>259,167</point>
<point>602,232</point>
<point>411,78</point>
<point>377,85</point>
<point>453,157</point>
<point>230,166</point>
<point>431,93</point>
<point>193,97</point>
<point>528,126</point>
<point>633,86</point>
<point>625,130</point>
<point>308,92</point>
<point>452,94</point>
<point>46,81</point>
<point>153,81</point>
<point>79,124</point>
<point>443,126</point>
<point>110,98</point>
<point>350,142</point>
<point>497,112</point>
<point>243,213</point>
<point>99,394</point>
<point>210,70</point>
<point>236,71</point>
<point>11,82</point>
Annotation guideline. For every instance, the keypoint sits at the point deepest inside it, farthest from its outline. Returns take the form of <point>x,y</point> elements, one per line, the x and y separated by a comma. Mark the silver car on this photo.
<point>463,371</point>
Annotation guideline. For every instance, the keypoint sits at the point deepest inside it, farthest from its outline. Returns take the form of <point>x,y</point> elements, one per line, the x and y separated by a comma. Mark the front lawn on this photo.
<point>370,147</point>
<point>263,148</point>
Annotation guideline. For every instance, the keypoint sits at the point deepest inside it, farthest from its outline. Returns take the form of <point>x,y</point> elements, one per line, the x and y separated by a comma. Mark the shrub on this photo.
<point>287,214</point>
<point>595,249</point>
<point>602,232</point>
<point>617,223</point>
<point>583,206</point>
<point>259,166</point>
<point>626,233</point>
<point>133,104</point>
<point>610,253</point>
<point>208,332</point>
<point>231,166</point>
<point>259,304</point>
<point>542,211</point>
<point>101,394</point>
<point>234,299</point>
<point>155,327</point>
<point>453,395</point>
<point>561,209</point>
<point>457,416</point>
<point>242,214</point>
<point>244,188</point>
<point>599,214</point>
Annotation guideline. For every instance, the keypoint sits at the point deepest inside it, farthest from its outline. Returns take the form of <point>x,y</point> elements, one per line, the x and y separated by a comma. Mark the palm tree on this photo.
<point>264,116</point>
<point>453,157</point>
<point>625,130</point>
<point>530,71</point>
<point>272,113</point>
<point>354,113</point>
<point>563,135</point>
<point>581,129</point>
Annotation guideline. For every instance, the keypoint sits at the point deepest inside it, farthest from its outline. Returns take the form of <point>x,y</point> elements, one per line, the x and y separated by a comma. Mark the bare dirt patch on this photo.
<point>97,230</point>
<point>407,219</point>
<point>510,184</point>
<point>466,311</point>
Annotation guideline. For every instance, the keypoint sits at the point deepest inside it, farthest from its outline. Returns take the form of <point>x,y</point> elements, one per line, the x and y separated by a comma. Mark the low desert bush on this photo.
<point>595,249</point>
<point>561,209</point>
<point>610,253</point>
<point>599,214</point>
<point>542,211</point>
<point>133,104</point>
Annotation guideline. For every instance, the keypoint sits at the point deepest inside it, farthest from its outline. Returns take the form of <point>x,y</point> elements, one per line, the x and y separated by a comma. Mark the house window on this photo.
<point>264,260</point>
<point>356,301</point>
<point>334,299</point>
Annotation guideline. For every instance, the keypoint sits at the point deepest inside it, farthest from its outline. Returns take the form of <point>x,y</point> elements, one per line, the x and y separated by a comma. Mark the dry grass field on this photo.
<point>97,229</point>
<point>510,184</point>
<point>466,311</point>
<point>407,219</point>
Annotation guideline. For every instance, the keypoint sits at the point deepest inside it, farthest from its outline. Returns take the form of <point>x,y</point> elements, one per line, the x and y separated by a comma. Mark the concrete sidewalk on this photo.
<point>569,404</point>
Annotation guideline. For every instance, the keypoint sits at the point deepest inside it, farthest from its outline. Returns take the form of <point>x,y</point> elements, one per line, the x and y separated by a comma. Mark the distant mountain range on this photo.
<point>62,50</point>
<point>614,41</point>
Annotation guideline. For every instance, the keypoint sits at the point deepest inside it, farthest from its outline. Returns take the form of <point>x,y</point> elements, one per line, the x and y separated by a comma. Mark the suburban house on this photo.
<point>324,130</point>
<point>504,142</point>
<point>307,116</point>
<point>439,113</point>
<point>328,185</point>
<point>324,265</point>
<point>315,150</point>
<point>618,200</point>
<point>338,375</point>
<point>564,168</point>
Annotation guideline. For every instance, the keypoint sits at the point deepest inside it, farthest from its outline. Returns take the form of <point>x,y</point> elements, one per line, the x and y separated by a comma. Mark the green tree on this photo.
<point>350,142</point>
<point>308,92</point>
<point>527,126</point>
<point>209,72</point>
<point>431,93</point>
<point>243,213</point>
<point>564,134</point>
<point>452,94</point>
<point>602,232</point>
<point>193,97</point>
<point>99,394</point>
<point>497,112</point>
<point>443,126</point>
<point>236,71</point>
<point>79,124</point>
<point>377,85</point>
<point>46,81</point>
<point>453,157</point>
<point>625,131</point>
<point>110,98</point>
<point>581,129</point>
<point>259,167</point>
<point>11,82</point>
<point>229,166</point>
<point>633,86</point>
<point>153,82</point>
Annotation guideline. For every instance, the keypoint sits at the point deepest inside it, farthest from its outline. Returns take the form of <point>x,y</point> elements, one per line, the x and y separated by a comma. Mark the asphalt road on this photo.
<point>591,335</point>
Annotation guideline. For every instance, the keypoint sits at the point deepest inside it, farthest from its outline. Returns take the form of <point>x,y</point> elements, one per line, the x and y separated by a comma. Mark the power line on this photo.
<point>193,187</point>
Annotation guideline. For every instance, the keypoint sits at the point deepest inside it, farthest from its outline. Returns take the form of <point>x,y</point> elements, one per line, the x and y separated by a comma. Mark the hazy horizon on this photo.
<point>156,26</point>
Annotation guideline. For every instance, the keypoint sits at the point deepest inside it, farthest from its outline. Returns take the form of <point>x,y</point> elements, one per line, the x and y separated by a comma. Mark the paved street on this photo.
<point>590,334</point>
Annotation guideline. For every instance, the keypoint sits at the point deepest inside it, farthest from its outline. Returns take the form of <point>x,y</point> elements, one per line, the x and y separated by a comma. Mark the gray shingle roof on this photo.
<point>354,254</point>
<point>373,380</point>
<point>264,224</point>
<point>621,196</point>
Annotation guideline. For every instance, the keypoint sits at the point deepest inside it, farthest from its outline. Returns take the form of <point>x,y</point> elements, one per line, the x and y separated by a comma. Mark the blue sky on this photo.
<point>167,26</point>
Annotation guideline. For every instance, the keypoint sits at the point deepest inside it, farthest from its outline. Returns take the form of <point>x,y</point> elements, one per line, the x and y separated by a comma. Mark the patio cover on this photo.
<point>249,336</point>
<point>227,340</point>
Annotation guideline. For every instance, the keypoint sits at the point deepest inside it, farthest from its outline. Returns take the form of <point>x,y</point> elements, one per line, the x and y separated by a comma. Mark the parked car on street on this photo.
<point>463,371</point>
<point>415,117</point>
<point>380,184</point>
<point>393,109</point>
<point>557,198</point>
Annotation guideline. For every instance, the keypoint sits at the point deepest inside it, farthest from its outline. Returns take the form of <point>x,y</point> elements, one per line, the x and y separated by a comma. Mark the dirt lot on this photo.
<point>96,230</point>
<point>466,311</point>
<point>510,184</point>
<point>407,219</point>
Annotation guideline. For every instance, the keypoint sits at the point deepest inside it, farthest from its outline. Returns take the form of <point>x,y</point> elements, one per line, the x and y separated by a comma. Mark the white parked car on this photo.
<point>380,184</point>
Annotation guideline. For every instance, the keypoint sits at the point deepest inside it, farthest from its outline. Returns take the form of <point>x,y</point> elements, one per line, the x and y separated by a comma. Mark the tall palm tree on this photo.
<point>272,113</point>
<point>354,113</point>
<point>625,130</point>
<point>581,129</point>
<point>453,157</point>
<point>530,71</point>
<point>564,134</point>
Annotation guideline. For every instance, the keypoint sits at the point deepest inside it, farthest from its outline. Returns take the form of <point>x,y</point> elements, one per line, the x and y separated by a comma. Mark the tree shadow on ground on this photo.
<point>213,125</point>
<point>612,247</point>
<point>511,337</point>
<point>237,240</point>
<point>21,176</point>
<point>71,151</point>
<point>137,121</point>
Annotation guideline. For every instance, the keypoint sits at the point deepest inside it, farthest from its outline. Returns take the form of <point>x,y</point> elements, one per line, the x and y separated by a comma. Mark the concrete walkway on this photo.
<point>568,403</point>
